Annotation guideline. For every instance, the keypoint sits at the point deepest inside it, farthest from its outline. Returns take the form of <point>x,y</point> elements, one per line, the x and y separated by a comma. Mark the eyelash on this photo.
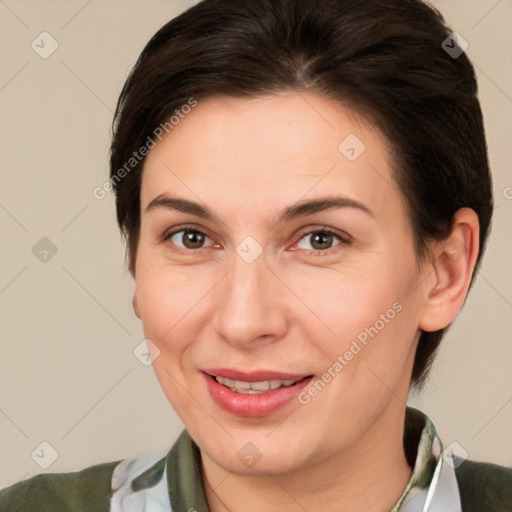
<point>344,239</point>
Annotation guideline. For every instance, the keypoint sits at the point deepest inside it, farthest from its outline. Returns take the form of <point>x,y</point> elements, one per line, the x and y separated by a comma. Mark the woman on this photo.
<point>304,216</point>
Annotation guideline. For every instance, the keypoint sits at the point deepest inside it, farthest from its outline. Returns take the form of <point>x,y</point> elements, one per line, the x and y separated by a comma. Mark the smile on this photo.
<point>253,394</point>
<point>252,388</point>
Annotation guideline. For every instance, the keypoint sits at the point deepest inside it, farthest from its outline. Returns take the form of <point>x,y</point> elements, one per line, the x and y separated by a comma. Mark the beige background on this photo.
<point>68,373</point>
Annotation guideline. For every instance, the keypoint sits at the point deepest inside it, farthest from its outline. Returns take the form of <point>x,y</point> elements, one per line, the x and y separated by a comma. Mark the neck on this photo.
<point>370,475</point>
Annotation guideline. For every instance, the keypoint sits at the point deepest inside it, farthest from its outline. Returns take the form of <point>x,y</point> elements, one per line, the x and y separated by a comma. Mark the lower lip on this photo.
<point>261,404</point>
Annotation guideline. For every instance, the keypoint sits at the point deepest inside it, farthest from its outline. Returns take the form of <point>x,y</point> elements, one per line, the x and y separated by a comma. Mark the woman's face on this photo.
<point>275,251</point>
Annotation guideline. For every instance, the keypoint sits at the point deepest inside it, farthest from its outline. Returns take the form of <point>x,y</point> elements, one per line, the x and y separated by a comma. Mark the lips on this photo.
<point>253,394</point>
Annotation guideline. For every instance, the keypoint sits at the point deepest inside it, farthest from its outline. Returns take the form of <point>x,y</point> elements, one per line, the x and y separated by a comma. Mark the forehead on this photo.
<point>250,152</point>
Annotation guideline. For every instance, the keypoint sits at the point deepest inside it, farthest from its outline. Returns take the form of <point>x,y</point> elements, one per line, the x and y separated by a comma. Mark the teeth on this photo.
<point>227,382</point>
<point>259,386</point>
<point>252,388</point>
<point>274,384</point>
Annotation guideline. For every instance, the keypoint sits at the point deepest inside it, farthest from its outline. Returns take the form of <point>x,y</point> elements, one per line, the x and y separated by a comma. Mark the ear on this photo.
<point>452,265</point>
<point>134,304</point>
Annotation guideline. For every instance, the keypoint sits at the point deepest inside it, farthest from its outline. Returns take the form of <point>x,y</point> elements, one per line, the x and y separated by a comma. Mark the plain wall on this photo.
<point>68,375</point>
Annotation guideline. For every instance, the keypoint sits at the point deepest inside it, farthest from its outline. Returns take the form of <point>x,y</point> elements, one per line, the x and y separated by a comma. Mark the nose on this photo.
<point>250,308</point>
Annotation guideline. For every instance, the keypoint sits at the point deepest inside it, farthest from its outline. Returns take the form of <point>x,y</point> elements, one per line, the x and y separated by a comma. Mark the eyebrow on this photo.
<point>300,209</point>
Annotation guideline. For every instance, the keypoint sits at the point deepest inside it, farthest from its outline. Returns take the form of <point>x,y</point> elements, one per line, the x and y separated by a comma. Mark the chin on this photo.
<point>255,454</point>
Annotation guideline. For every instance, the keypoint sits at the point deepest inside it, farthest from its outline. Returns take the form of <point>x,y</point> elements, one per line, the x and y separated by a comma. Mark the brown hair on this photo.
<point>383,57</point>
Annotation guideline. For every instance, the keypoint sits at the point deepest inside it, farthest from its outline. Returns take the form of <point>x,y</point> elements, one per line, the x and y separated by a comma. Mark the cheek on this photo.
<point>167,303</point>
<point>166,291</point>
<point>168,306</point>
<point>351,300</point>
<point>371,316</point>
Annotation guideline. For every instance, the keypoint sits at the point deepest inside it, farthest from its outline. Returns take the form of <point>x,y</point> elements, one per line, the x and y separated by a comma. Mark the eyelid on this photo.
<point>324,229</point>
<point>167,235</point>
<point>344,237</point>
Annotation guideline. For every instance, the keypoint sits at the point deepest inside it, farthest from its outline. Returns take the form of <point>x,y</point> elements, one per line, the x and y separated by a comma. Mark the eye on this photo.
<point>321,240</point>
<point>188,238</point>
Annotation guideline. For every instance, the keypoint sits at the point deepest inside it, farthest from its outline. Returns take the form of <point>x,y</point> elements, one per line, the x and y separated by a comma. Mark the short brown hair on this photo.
<point>383,57</point>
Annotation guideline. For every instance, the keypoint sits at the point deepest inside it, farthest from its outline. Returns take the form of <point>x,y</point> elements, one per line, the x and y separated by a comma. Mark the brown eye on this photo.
<point>320,240</point>
<point>188,239</point>
<point>192,239</point>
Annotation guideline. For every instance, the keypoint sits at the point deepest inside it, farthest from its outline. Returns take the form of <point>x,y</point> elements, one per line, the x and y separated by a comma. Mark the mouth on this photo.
<point>253,394</point>
<point>254,388</point>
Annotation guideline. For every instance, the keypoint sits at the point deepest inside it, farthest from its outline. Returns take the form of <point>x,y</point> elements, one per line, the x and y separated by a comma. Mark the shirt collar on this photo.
<point>175,481</point>
<point>433,485</point>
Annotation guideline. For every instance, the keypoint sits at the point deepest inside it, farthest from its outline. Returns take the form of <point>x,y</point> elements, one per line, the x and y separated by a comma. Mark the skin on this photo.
<point>296,308</point>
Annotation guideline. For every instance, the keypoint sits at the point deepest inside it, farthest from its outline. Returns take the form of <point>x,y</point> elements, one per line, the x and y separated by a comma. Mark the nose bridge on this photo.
<point>246,308</point>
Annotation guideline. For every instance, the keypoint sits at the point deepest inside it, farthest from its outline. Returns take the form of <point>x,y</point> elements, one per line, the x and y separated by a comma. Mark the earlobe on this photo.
<point>453,263</point>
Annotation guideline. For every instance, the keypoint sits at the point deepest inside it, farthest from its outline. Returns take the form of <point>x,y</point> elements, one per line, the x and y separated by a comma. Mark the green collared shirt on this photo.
<point>440,482</point>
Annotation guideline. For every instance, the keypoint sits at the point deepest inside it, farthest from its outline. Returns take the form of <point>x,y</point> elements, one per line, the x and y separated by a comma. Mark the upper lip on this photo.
<point>253,376</point>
